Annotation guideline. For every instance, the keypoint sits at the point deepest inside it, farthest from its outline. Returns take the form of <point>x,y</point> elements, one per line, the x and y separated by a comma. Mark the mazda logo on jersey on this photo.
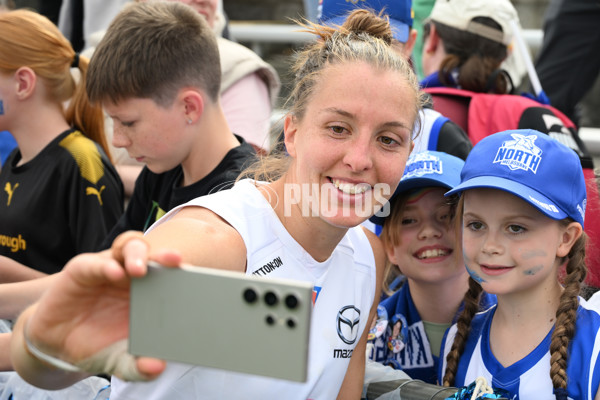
<point>347,322</point>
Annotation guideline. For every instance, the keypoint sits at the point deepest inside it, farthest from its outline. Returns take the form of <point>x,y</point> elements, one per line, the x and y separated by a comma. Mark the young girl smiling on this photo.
<point>522,212</point>
<point>419,239</point>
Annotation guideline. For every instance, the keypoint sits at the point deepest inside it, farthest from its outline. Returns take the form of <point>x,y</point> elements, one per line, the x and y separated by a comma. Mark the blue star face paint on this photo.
<point>533,271</point>
<point>474,275</point>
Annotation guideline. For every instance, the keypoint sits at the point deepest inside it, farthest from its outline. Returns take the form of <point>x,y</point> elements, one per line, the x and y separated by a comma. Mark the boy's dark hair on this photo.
<point>152,50</point>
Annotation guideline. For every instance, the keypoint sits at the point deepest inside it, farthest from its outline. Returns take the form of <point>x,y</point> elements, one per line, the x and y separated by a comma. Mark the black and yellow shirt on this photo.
<point>61,203</point>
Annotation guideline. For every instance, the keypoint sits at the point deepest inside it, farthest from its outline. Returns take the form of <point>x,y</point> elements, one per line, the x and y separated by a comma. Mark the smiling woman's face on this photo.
<point>354,138</point>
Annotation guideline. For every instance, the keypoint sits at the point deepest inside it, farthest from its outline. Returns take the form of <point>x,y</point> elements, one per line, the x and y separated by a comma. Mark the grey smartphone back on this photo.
<point>222,319</point>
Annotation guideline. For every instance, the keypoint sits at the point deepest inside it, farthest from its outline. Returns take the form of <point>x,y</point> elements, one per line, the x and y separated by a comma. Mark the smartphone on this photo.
<point>222,319</point>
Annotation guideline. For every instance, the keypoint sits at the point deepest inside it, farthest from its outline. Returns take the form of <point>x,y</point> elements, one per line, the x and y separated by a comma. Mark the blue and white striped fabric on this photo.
<point>529,378</point>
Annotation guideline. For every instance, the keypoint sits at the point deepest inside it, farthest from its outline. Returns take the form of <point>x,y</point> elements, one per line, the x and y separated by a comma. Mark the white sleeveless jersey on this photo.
<point>344,290</point>
<point>529,378</point>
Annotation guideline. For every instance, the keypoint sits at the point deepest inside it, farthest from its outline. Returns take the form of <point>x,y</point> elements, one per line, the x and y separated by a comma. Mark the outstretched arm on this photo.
<point>16,296</point>
<point>83,317</point>
<point>84,311</point>
<point>13,271</point>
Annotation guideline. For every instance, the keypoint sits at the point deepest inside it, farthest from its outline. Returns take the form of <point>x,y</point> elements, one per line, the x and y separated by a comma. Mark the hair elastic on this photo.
<point>48,359</point>
<point>560,393</point>
<point>490,86</point>
<point>75,63</point>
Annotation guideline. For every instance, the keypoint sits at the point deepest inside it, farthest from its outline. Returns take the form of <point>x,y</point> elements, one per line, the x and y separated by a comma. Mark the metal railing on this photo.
<point>255,34</point>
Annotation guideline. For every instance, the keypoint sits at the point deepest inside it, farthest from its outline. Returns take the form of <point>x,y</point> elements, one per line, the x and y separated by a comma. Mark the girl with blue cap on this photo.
<point>522,208</point>
<point>419,239</point>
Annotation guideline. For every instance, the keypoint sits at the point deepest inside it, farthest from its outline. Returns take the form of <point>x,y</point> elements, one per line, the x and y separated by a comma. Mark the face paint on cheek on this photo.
<point>533,271</point>
<point>474,275</point>
<point>1,107</point>
<point>528,255</point>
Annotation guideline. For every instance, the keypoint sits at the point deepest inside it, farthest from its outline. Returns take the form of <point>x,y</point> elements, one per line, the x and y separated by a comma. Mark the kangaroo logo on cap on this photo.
<point>520,153</point>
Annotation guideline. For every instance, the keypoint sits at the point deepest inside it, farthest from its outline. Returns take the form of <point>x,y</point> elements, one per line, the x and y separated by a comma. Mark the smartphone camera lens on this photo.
<point>270,320</point>
<point>271,298</point>
<point>250,295</point>
<point>291,323</point>
<point>291,301</point>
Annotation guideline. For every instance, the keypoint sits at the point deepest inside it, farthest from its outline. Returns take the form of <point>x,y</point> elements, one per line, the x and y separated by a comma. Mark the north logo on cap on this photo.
<point>520,153</point>
<point>548,207</point>
<point>423,164</point>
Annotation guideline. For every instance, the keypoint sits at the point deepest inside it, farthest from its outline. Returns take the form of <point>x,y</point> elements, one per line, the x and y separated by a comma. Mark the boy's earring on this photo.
<point>189,121</point>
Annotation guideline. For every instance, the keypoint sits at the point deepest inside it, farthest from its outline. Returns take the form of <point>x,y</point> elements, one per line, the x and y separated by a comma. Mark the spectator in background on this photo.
<point>7,141</point>
<point>78,19</point>
<point>465,44</point>
<point>513,64</point>
<point>569,62</point>
<point>249,85</point>
<point>421,9</point>
<point>60,194</point>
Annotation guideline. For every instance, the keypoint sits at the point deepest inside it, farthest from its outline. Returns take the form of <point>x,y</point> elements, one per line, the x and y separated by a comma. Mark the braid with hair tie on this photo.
<point>566,316</point>
<point>561,394</point>
<point>463,325</point>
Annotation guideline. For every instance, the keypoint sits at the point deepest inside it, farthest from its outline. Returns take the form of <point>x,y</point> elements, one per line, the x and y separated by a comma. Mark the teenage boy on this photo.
<point>161,88</point>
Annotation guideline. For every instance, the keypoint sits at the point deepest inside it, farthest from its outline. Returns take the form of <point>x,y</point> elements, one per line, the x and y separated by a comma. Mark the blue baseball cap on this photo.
<point>334,12</point>
<point>531,165</point>
<point>424,169</point>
